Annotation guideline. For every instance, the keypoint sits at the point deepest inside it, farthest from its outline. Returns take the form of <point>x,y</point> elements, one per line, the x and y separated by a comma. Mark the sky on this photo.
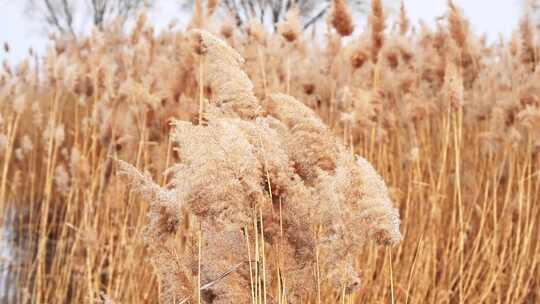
<point>492,17</point>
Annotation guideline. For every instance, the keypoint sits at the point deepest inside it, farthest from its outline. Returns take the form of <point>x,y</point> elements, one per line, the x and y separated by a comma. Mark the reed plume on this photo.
<point>290,27</point>
<point>341,19</point>
<point>377,25</point>
<point>285,158</point>
<point>404,22</point>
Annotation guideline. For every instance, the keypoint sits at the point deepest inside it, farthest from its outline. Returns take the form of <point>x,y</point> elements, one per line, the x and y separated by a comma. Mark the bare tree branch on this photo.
<point>51,18</point>
<point>69,16</point>
<point>315,18</point>
<point>271,12</point>
<point>60,15</point>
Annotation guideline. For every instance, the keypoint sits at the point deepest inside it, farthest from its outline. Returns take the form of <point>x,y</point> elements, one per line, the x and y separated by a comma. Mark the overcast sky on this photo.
<point>486,16</point>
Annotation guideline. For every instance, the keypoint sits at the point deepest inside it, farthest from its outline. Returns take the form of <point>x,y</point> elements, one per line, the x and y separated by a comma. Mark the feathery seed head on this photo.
<point>290,28</point>
<point>341,19</point>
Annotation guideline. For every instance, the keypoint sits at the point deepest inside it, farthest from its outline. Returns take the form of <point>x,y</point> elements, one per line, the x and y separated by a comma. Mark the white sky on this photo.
<point>486,16</point>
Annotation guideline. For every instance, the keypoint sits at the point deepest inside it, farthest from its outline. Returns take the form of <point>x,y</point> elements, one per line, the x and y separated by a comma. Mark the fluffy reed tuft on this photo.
<point>286,161</point>
<point>404,22</point>
<point>377,25</point>
<point>232,89</point>
<point>290,27</point>
<point>341,19</point>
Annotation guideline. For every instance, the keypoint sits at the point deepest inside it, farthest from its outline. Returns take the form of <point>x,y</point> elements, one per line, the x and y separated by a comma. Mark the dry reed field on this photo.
<point>226,164</point>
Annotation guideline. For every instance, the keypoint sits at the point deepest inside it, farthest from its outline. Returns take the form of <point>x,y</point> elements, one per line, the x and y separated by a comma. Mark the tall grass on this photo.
<point>449,121</point>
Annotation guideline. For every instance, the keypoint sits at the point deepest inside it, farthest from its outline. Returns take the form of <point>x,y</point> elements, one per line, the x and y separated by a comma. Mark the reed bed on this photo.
<point>450,122</point>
